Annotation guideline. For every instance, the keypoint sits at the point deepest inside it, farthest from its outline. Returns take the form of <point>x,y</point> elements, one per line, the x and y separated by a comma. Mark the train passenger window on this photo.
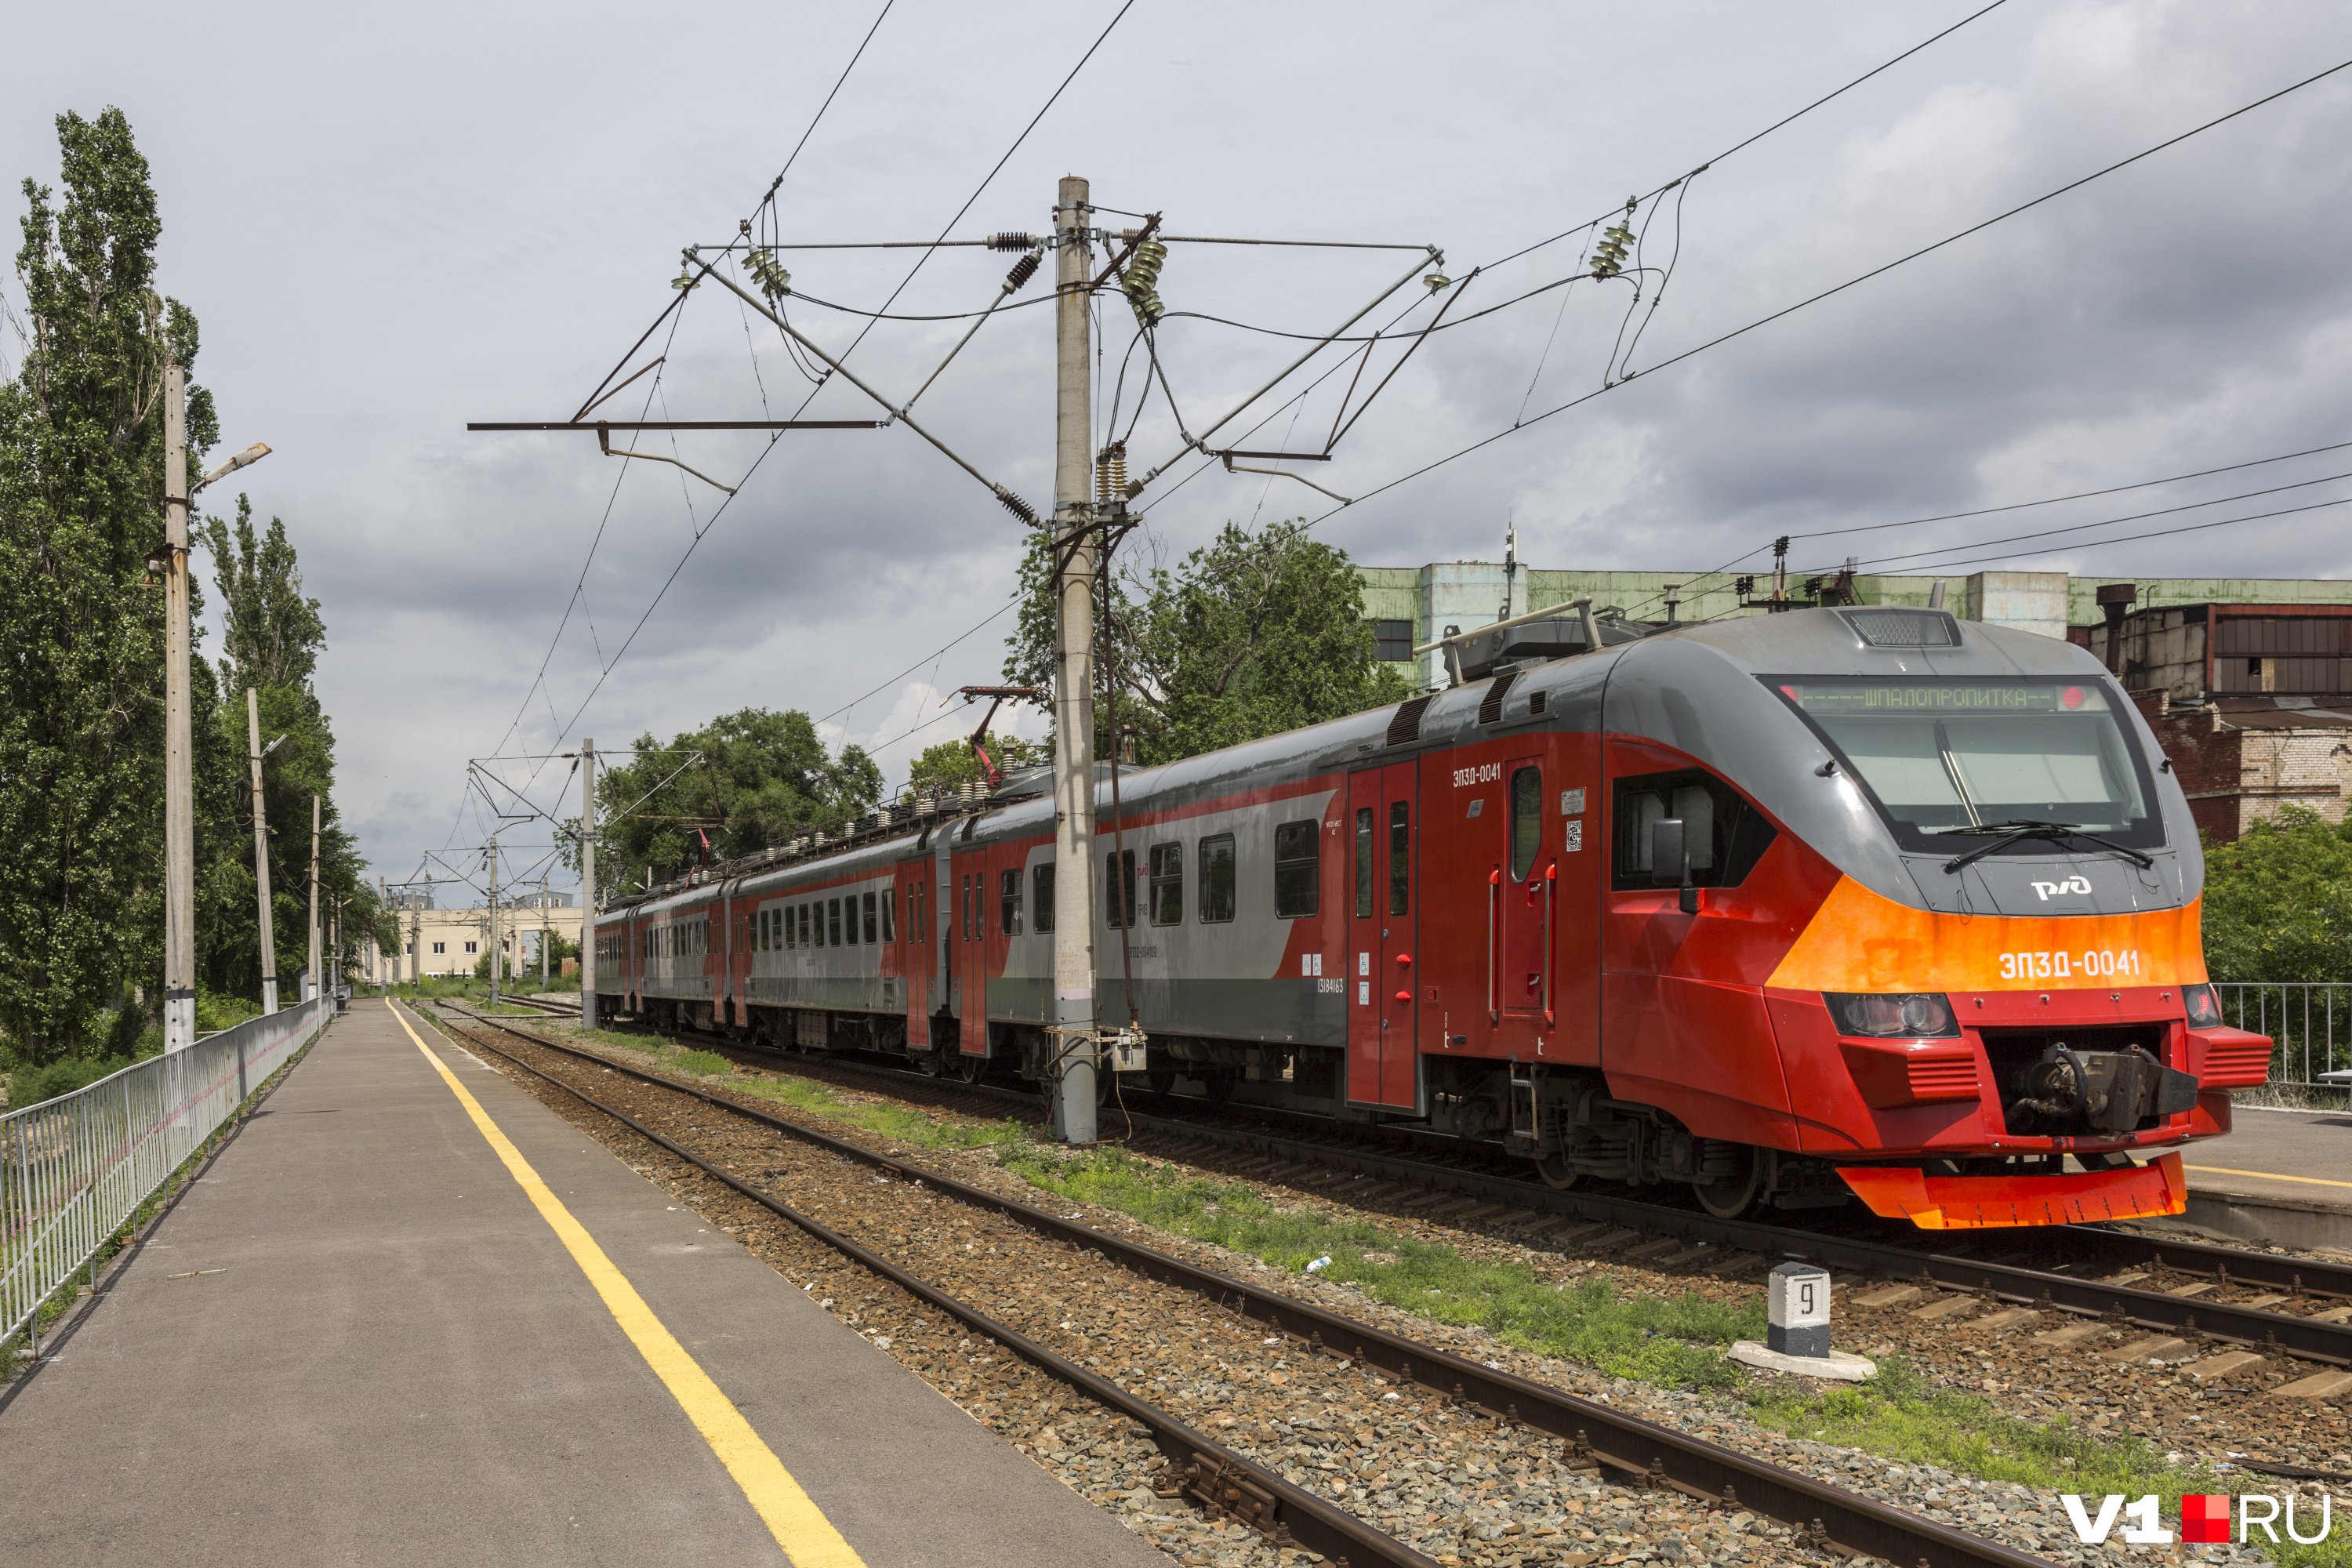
<point>1008,902</point>
<point>873,917</point>
<point>1119,891</point>
<point>1399,854</point>
<point>1367,862</point>
<point>1297,847</point>
<point>1725,834</point>
<point>1167,884</point>
<point>833,922</point>
<point>849,918</point>
<point>1217,900</point>
<point>1041,897</point>
<point>890,911</point>
<point>1526,820</point>
<point>799,917</point>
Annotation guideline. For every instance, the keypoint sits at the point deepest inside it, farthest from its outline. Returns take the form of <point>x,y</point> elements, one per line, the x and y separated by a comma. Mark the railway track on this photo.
<point>2158,1288</point>
<point>1642,1453</point>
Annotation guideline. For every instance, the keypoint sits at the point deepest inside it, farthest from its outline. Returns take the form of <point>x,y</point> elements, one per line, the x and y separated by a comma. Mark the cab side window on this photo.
<point>1724,834</point>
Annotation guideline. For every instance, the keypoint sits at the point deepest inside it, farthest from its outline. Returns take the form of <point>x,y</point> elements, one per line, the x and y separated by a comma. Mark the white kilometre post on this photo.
<point>179,770</point>
<point>587,884</point>
<point>261,855</point>
<point>1074,665</point>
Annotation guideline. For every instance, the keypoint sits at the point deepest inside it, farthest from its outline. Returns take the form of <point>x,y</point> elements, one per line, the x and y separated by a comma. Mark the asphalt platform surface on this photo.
<point>360,1340</point>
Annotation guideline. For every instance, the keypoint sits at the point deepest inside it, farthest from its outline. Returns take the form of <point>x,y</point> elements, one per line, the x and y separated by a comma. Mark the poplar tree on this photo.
<point>81,637</point>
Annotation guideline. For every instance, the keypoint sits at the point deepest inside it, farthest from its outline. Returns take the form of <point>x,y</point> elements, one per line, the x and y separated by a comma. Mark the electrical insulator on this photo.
<point>1023,270</point>
<point>1142,281</point>
<point>1012,242</point>
<point>1437,282</point>
<point>1608,258</point>
<point>766,271</point>
<point>1110,472</point>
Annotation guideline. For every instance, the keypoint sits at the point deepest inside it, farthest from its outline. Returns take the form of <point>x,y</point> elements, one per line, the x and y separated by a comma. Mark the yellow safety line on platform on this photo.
<point>2266,1175</point>
<point>799,1526</point>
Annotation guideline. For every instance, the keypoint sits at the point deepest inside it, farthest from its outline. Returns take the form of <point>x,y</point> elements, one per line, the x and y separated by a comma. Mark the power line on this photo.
<point>2109,522</point>
<point>1839,289</point>
<point>2128,538</point>
<point>2078,495</point>
<point>703,531</point>
<point>1778,124</point>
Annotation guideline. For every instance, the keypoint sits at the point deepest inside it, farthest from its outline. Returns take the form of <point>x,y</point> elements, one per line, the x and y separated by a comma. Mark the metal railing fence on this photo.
<point>73,1169</point>
<point>2309,1023</point>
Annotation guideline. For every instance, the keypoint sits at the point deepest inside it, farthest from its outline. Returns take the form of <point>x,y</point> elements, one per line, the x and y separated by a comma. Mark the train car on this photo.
<point>1836,903</point>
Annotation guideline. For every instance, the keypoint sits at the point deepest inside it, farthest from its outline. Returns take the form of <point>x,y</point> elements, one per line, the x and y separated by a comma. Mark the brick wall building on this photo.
<point>2239,758</point>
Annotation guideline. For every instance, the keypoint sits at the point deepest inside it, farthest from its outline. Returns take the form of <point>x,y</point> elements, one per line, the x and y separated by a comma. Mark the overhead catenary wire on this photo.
<point>1855,282</point>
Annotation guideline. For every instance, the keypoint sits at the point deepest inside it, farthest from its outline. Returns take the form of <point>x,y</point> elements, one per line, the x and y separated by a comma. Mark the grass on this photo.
<point>1672,1341</point>
<point>1900,1415</point>
<point>903,1122</point>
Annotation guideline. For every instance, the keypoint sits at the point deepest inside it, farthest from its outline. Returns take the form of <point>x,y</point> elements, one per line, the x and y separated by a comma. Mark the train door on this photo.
<point>1383,1003</point>
<point>972,950</point>
<point>916,965</point>
<point>1521,900</point>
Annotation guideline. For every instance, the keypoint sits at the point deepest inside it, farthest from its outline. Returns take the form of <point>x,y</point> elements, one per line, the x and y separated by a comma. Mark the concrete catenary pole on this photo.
<point>494,919</point>
<point>314,898</point>
<point>389,971</point>
<point>179,770</point>
<point>546,931</point>
<point>587,884</point>
<point>261,855</point>
<point>1074,707</point>
<point>415,938</point>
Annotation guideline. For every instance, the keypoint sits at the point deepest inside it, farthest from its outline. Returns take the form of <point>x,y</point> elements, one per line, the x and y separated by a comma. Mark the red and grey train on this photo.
<point>1794,909</point>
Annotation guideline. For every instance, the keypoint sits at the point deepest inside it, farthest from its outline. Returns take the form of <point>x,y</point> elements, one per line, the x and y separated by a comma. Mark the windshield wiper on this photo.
<point>2005,834</point>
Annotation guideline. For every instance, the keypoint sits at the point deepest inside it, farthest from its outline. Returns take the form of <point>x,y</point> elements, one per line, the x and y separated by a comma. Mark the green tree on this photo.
<point>273,635</point>
<point>81,640</point>
<point>2278,900</point>
<point>1252,635</point>
<point>951,763</point>
<point>740,783</point>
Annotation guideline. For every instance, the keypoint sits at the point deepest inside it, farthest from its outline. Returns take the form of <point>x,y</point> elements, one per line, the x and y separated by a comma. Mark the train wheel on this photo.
<point>1556,1173</point>
<point>1731,1196</point>
<point>1219,1086</point>
<point>972,1070</point>
<point>935,1063</point>
<point>1162,1085</point>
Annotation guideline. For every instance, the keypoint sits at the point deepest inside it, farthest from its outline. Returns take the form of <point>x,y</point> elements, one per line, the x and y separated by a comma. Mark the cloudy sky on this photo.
<point>396,223</point>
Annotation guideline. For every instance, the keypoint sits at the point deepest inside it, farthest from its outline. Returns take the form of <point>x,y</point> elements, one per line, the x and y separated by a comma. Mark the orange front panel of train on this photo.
<point>1859,940</point>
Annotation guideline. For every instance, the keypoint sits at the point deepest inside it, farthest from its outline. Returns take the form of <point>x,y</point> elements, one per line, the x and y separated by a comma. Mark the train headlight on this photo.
<point>2204,1006</point>
<point>1907,1015</point>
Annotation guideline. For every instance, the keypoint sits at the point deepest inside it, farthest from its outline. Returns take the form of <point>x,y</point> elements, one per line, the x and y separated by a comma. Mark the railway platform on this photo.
<point>411,1315</point>
<point>2284,1176</point>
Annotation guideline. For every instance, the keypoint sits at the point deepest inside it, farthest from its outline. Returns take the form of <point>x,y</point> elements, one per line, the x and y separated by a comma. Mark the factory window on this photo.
<point>1119,891</point>
<point>1217,880</point>
<point>1167,884</point>
<point>439,948</point>
<point>1393,639</point>
<point>873,918</point>
<point>1008,901</point>
<point>890,911</point>
<point>473,947</point>
<point>1297,846</point>
<point>1041,897</point>
<point>1399,854</point>
<point>833,922</point>
<point>411,949</point>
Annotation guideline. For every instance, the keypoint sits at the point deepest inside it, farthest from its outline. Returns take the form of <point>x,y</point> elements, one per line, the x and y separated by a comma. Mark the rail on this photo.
<point>74,1169</point>
<point>2309,1023</point>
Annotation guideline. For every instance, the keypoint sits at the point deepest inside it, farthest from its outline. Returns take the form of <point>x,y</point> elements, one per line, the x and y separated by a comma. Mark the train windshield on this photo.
<point>1939,757</point>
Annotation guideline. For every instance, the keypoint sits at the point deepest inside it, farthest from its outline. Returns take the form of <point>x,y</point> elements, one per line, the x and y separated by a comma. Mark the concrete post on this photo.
<point>179,768</point>
<point>261,855</point>
<point>587,884</point>
<point>1074,707</point>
